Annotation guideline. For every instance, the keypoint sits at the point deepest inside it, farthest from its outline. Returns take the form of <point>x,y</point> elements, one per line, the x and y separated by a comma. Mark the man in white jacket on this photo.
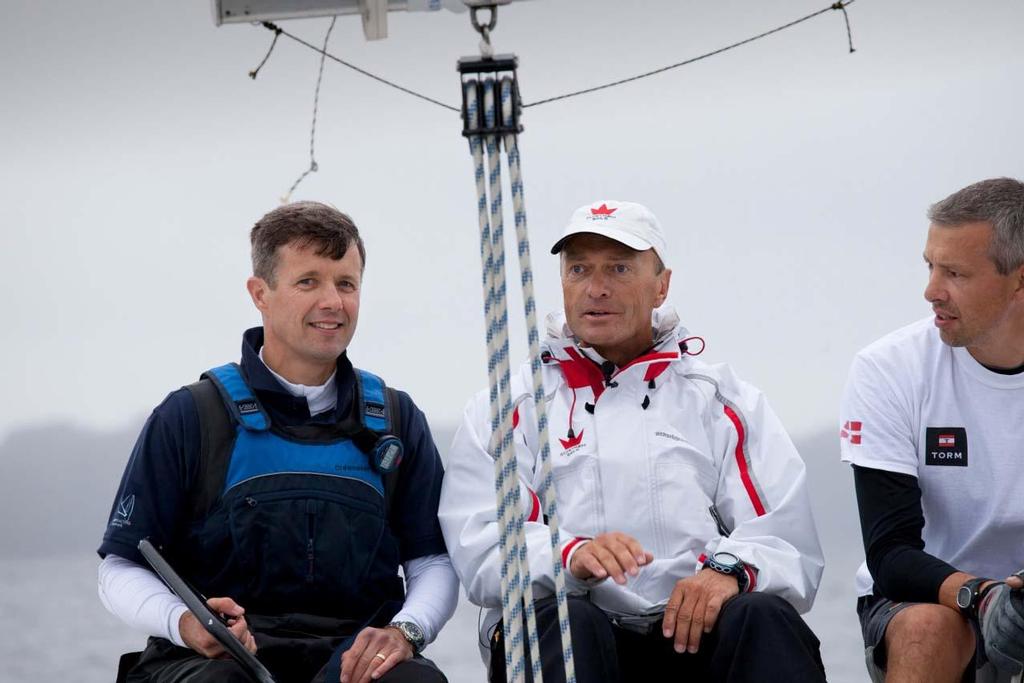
<point>685,525</point>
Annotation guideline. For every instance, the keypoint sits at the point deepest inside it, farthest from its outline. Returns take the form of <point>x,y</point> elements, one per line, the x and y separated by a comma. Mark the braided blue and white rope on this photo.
<point>547,489</point>
<point>516,585</point>
<point>511,540</point>
<point>514,659</point>
<point>521,592</point>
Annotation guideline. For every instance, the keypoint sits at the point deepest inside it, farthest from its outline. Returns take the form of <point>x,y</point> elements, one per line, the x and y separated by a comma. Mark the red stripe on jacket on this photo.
<point>534,507</point>
<point>741,462</point>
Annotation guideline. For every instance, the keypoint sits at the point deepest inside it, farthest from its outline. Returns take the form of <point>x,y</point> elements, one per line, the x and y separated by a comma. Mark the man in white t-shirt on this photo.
<point>932,422</point>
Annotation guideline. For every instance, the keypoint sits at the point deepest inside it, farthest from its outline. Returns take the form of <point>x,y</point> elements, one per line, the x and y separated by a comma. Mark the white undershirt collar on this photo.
<point>319,398</point>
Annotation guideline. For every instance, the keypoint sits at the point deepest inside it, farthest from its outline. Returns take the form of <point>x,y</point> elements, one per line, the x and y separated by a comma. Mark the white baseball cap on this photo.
<point>627,222</point>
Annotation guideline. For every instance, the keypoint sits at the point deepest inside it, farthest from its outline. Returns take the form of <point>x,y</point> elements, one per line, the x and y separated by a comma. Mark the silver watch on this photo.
<point>412,633</point>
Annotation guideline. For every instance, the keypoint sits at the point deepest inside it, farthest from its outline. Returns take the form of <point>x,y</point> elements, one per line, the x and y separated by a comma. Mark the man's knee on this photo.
<point>225,670</point>
<point>418,670</point>
<point>201,670</point>
<point>759,610</point>
<point>933,629</point>
<point>758,633</point>
<point>164,663</point>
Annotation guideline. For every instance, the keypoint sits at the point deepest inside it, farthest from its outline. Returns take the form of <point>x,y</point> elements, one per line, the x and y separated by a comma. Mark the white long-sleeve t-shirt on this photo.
<point>138,597</point>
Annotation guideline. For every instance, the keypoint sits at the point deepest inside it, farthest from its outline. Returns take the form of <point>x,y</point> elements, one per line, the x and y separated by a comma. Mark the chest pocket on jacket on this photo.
<point>683,490</point>
<point>307,543</point>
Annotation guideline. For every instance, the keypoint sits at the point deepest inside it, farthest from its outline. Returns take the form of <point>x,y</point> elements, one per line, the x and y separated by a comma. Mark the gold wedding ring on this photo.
<point>380,656</point>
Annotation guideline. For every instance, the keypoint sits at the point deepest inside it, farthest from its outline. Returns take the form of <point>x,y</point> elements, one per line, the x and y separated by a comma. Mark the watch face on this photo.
<point>412,632</point>
<point>963,597</point>
<point>415,632</point>
<point>727,559</point>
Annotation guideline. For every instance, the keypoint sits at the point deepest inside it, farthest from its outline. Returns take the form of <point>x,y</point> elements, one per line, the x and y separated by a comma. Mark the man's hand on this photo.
<point>613,554</point>
<point>374,652</point>
<point>1002,626</point>
<point>694,606</point>
<point>200,640</point>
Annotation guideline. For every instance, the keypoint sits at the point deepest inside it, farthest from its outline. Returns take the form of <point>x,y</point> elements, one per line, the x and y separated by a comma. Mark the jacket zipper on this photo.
<point>310,535</point>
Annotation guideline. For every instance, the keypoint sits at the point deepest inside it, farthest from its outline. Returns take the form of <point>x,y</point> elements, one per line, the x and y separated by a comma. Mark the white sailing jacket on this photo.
<point>647,454</point>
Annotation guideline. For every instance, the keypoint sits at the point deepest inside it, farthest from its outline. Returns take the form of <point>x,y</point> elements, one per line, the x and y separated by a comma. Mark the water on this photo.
<point>53,627</point>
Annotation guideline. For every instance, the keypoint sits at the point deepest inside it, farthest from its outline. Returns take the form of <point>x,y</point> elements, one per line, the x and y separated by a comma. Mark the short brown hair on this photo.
<point>304,224</point>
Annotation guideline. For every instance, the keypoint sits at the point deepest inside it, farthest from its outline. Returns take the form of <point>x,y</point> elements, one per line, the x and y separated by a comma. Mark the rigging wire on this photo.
<point>849,34</point>
<point>313,166</point>
<point>585,91</point>
<point>380,79</point>
<point>840,6</point>
<point>273,43</point>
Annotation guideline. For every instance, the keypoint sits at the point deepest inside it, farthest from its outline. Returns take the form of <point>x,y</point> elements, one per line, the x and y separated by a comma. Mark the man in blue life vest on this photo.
<point>290,487</point>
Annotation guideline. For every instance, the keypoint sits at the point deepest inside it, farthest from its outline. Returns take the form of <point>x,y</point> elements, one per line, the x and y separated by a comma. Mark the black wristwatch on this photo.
<point>727,563</point>
<point>969,596</point>
<point>412,633</point>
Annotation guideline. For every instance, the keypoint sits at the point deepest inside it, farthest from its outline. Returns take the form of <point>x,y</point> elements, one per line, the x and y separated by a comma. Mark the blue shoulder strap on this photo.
<point>373,402</point>
<point>238,398</point>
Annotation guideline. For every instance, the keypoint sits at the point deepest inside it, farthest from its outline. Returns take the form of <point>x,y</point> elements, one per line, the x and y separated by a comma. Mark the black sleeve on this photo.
<point>414,513</point>
<point>891,521</point>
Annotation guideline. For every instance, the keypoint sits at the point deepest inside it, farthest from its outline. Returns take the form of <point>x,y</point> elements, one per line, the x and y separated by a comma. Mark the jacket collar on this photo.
<point>579,366</point>
<point>282,406</point>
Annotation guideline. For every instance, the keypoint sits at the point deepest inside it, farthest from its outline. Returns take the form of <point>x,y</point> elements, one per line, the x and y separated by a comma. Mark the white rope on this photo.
<point>547,490</point>
<point>506,488</point>
<point>521,591</point>
<point>516,585</point>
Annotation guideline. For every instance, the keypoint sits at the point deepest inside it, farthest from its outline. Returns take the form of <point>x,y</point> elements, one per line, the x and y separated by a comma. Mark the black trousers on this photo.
<point>172,664</point>
<point>757,637</point>
<point>295,648</point>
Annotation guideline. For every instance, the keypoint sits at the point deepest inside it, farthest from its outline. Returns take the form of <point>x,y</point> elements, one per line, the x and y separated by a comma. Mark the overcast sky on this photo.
<point>791,176</point>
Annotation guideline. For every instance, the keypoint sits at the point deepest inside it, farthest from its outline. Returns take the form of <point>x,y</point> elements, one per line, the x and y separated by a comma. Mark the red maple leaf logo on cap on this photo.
<point>602,210</point>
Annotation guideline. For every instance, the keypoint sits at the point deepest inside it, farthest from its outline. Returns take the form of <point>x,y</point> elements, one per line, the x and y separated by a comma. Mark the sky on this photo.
<point>791,176</point>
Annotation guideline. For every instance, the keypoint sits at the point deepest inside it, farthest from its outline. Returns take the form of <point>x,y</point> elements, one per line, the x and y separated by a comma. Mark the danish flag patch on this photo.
<point>851,432</point>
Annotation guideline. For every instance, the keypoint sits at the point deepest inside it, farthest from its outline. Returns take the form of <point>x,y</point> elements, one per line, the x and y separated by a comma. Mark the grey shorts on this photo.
<point>875,613</point>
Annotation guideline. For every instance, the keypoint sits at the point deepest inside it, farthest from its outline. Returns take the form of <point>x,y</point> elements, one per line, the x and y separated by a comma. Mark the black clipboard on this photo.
<point>211,621</point>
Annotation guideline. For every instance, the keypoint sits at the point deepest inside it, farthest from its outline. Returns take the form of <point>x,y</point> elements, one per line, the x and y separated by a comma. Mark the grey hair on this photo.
<point>998,201</point>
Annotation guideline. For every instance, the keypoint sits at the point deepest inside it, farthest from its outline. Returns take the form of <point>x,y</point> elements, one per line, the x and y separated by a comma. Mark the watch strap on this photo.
<point>736,570</point>
<point>982,594</point>
<point>412,633</point>
<point>970,610</point>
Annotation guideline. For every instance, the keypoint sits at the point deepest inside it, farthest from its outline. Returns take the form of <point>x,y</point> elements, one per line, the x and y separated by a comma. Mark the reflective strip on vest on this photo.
<point>374,402</point>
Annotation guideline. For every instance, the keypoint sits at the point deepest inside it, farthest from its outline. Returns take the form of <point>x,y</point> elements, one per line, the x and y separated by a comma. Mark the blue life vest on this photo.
<point>294,519</point>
